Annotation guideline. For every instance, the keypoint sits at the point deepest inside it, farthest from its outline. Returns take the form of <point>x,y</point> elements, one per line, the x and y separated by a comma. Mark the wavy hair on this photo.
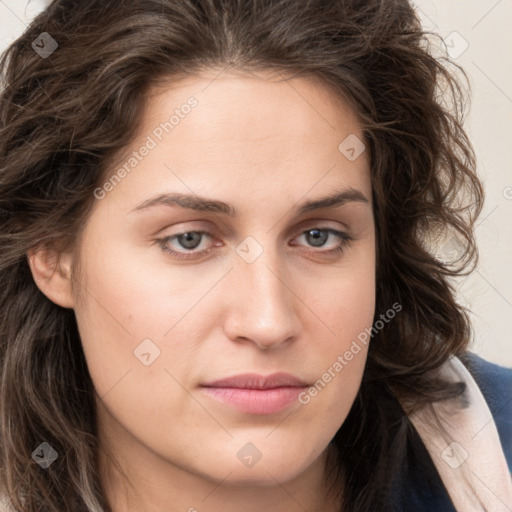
<point>63,120</point>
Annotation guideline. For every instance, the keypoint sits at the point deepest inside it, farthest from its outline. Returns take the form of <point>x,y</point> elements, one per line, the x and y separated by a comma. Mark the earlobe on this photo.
<point>52,274</point>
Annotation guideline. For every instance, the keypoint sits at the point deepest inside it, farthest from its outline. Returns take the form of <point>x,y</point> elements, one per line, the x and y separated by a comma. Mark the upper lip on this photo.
<point>256,381</point>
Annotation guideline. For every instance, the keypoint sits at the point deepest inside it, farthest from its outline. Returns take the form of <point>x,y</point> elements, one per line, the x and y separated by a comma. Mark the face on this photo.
<point>214,255</point>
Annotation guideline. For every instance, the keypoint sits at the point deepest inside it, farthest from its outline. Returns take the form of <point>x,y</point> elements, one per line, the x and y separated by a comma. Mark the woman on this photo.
<point>220,289</point>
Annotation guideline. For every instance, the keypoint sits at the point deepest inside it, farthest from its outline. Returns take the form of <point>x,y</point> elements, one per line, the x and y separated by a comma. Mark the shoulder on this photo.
<point>495,383</point>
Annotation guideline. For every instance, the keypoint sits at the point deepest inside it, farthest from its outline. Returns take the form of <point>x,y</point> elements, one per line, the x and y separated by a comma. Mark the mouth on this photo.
<point>256,394</point>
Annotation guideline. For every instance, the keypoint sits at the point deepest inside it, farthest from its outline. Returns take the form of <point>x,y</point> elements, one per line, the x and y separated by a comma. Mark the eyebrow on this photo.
<point>204,204</point>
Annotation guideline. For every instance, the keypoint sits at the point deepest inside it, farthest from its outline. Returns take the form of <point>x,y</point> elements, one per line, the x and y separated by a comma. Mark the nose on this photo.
<point>262,305</point>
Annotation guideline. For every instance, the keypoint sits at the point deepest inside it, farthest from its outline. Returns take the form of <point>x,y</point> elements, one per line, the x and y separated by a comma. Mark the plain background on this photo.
<point>478,37</point>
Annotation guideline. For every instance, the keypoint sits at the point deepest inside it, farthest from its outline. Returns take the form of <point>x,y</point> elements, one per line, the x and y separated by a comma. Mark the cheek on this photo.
<point>346,303</point>
<point>116,315</point>
<point>135,313</point>
<point>347,307</point>
<point>122,322</point>
<point>349,313</point>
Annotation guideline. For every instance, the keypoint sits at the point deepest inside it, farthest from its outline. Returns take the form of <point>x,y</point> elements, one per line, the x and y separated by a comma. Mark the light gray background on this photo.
<point>478,36</point>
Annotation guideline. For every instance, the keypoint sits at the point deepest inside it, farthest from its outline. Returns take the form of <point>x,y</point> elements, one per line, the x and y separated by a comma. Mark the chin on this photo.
<point>280,466</point>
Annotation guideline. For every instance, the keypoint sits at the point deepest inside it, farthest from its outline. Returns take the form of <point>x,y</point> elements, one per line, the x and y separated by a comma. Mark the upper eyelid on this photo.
<point>302,226</point>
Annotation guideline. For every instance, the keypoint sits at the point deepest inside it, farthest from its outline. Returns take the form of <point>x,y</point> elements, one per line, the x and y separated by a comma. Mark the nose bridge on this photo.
<point>260,262</point>
<point>266,286</point>
<point>262,308</point>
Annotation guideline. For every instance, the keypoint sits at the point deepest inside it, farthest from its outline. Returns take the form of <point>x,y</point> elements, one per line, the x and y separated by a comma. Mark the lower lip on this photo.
<point>256,401</point>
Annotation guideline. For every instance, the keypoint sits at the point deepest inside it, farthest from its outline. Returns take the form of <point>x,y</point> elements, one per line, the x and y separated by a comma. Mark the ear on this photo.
<point>51,271</point>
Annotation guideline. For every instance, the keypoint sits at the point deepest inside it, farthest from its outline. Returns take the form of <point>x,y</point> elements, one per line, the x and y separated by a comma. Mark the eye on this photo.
<point>189,241</point>
<point>317,237</point>
<point>184,245</point>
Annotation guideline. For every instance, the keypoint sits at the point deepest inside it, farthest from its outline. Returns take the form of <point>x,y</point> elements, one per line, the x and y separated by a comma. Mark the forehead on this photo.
<point>260,105</point>
<point>256,134</point>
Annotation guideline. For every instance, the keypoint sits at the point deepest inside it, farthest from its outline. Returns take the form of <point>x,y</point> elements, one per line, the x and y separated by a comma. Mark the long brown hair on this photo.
<point>66,115</point>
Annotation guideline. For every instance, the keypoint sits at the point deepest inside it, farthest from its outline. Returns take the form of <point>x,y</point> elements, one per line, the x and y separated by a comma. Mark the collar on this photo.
<point>462,439</point>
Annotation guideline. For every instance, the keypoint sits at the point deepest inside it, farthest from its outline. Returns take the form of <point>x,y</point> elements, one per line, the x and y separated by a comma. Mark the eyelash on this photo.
<point>345,241</point>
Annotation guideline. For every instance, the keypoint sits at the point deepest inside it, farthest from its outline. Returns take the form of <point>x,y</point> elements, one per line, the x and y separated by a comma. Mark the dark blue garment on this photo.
<point>421,489</point>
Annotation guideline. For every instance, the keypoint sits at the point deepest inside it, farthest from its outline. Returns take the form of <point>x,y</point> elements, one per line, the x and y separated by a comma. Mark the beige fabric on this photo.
<point>465,447</point>
<point>4,504</point>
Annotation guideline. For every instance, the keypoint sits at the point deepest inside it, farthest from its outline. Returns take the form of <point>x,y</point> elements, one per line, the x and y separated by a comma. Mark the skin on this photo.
<point>262,146</point>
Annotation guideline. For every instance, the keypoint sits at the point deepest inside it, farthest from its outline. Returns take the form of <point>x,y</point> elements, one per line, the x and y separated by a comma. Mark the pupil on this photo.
<point>319,237</point>
<point>190,240</point>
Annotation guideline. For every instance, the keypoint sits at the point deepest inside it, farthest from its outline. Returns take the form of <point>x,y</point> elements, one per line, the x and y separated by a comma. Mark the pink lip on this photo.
<point>256,394</point>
